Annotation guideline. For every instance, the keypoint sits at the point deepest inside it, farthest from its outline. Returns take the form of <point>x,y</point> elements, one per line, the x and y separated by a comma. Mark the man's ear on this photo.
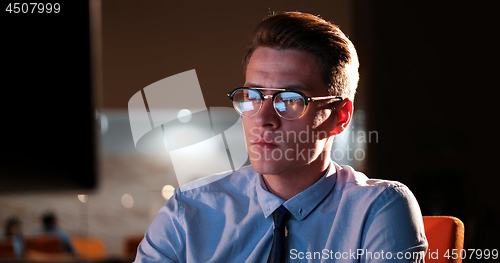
<point>343,110</point>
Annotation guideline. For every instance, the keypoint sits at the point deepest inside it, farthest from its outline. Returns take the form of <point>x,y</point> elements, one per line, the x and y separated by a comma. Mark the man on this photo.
<point>14,233</point>
<point>301,73</point>
<point>50,227</point>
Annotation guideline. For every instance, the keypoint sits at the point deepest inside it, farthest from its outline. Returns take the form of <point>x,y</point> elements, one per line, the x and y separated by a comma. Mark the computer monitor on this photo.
<point>48,135</point>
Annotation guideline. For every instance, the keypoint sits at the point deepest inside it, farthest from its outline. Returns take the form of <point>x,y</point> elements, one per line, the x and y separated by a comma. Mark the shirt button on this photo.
<point>300,211</point>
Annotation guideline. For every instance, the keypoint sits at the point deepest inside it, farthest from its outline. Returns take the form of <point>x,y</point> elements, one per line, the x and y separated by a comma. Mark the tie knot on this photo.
<point>281,216</point>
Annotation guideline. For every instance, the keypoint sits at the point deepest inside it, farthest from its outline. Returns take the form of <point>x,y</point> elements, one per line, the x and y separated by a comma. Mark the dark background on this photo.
<point>429,70</point>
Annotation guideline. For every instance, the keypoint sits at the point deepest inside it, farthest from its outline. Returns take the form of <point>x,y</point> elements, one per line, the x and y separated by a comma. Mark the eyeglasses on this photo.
<point>289,104</point>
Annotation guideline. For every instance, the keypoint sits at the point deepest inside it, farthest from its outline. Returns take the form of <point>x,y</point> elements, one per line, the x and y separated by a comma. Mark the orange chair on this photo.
<point>444,233</point>
<point>89,248</point>
<point>46,248</point>
<point>44,243</point>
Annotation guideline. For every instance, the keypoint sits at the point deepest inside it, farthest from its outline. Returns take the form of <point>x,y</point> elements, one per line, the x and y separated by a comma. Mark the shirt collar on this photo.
<point>303,203</point>
<point>268,202</point>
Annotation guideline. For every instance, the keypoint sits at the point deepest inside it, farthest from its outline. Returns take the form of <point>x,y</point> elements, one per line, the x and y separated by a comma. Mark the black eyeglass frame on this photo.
<point>306,98</point>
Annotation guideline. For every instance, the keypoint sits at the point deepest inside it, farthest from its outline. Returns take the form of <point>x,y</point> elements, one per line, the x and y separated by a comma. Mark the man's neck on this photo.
<point>286,186</point>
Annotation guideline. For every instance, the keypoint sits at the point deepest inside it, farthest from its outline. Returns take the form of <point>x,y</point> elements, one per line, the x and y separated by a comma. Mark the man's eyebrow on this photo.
<point>294,87</point>
<point>251,85</point>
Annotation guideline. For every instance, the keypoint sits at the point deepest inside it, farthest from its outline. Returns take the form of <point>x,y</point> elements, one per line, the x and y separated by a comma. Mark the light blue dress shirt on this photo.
<point>343,217</point>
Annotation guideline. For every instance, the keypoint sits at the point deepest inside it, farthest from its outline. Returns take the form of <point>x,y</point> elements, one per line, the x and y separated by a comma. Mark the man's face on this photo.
<point>276,145</point>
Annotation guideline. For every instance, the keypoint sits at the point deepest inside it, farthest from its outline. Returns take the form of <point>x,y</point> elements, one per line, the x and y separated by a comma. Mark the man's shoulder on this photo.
<point>212,194</point>
<point>356,191</point>
<point>230,181</point>
<point>352,181</point>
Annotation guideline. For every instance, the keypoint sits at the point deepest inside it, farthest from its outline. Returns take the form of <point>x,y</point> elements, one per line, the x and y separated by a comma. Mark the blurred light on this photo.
<point>104,124</point>
<point>127,201</point>
<point>167,191</point>
<point>83,198</point>
<point>184,115</point>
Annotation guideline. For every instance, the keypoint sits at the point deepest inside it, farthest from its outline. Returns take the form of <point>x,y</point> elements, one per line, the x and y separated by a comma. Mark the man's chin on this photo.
<point>274,167</point>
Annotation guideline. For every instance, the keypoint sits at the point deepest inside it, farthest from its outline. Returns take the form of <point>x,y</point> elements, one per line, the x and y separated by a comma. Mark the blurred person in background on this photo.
<point>13,232</point>
<point>50,227</point>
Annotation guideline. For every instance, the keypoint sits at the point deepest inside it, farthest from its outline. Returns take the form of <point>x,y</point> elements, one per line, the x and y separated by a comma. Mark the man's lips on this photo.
<point>264,143</point>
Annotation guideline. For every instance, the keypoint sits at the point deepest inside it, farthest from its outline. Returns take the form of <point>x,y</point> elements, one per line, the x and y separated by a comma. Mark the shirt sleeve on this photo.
<point>394,230</point>
<point>164,240</point>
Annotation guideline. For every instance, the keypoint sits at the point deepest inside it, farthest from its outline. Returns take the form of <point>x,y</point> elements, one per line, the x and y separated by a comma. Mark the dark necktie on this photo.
<point>278,250</point>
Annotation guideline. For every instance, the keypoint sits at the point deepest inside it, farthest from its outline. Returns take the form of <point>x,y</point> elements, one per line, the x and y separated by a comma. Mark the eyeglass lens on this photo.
<point>288,104</point>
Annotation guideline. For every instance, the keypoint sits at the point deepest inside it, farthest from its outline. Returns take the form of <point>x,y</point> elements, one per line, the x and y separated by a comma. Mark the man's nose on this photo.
<point>267,115</point>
